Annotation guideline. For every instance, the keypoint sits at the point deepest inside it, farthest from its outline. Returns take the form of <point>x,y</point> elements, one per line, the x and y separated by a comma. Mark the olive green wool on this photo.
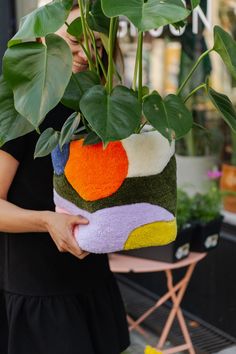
<point>156,189</point>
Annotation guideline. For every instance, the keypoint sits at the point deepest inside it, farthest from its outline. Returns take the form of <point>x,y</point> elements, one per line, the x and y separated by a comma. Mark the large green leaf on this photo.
<point>69,128</point>
<point>42,21</point>
<point>12,124</point>
<point>78,85</point>
<point>195,3</point>
<point>38,75</point>
<point>96,19</point>
<point>75,28</point>
<point>91,139</point>
<point>46,143</point>
<point>224,106</point>
<point>225,46</point>
<point>112,117</point>
<point>149,14</point>
<point>169,116</point>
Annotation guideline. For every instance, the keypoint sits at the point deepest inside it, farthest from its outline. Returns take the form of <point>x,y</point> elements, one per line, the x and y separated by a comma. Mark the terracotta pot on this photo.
<point>228,183</point>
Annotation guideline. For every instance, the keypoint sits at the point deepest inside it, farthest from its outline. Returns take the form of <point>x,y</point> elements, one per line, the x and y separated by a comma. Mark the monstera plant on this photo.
<point>114,157</point>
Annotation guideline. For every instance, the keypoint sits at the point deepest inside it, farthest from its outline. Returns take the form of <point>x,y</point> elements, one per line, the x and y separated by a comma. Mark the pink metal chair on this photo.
<point>125,264</point>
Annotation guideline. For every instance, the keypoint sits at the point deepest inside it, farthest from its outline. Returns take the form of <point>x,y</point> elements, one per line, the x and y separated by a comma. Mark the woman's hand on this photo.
<point>60,227</point>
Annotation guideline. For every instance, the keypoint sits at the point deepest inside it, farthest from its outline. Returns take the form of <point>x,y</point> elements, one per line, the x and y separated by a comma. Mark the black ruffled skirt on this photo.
<point>90,320</point>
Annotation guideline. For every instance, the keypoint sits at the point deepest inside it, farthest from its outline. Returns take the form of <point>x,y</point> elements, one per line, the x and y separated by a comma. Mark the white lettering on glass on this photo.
<point>198,14</point>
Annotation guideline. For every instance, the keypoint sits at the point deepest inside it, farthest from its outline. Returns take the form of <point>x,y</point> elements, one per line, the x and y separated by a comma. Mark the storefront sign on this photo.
<point>198,14</point>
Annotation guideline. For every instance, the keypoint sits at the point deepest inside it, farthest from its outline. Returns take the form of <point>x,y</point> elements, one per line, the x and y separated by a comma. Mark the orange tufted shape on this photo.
<point>94,172</point>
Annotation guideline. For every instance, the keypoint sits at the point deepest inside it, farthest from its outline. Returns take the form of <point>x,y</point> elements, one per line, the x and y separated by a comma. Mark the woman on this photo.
<point>56,298</point>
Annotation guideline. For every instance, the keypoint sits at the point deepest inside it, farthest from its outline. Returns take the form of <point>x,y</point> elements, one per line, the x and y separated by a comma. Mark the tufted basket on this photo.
<point>126,191</point>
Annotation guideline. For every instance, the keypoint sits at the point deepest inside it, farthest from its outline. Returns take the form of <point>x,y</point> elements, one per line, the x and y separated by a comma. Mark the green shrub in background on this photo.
<point>201,207</point>
<point>206,207</point>
<point>183,209</point>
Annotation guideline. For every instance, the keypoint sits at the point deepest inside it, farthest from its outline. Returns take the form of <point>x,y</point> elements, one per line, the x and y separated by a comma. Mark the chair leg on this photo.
<point>160,302</point>
<point>176,298</point>
<point>182,323</point>
<point>138,328</point>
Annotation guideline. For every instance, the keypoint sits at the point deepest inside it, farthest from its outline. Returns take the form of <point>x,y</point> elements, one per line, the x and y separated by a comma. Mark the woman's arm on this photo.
<point>14,219</point>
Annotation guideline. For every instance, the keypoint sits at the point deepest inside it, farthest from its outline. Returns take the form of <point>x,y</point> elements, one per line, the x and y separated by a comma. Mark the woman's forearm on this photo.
<point>60,226</point>
<point>14,219</point>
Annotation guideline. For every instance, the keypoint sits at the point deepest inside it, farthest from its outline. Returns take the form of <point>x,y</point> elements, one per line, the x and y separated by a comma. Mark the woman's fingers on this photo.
<point>72,244</point>
<point>61,228</point>
<point>74,248</point>
<point>78,219</point>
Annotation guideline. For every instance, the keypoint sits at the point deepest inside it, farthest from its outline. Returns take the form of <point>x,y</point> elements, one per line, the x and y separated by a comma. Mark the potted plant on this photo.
<point>196,154</point>
<point>199,150</point>
<point>206,214</point>
<point>126,182</point>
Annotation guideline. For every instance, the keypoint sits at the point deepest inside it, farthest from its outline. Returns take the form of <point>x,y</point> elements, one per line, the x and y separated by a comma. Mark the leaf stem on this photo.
<point>200,126</point>
<point>102,67</point>
<point>141,127</point>
<point>92,37</point>
<point>97,56</point>
<point>194,91</point>
<point>193,70</point>
<point>140,65</point>
<point>91,65</point>
<point>81,6</point>
<point>189,141</point>
<point>135,72</point>
<point>110,55</point>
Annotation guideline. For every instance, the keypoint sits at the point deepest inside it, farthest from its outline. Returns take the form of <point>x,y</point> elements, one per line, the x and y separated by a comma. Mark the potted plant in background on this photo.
<point>125,148</point>
<point>198,151</point>
<point>206,214</point>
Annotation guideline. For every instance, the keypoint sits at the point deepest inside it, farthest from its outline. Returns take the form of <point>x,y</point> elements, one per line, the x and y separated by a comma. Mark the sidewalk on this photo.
<point>206,338</point>
<point>138,343</point>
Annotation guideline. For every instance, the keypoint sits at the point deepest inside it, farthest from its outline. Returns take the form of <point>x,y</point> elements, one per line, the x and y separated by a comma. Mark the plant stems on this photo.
<point>110,55</point>
<point>141,127</point>
<point>194,91</point>
<point>140,66</point>
<point>92,37</point>
<point>200,127</point>
<point>91,65</point>
<point>135,72</point>
<point>97,56</point>
<point>102,67</point>
<point>81,6</point>
<point>193,70</point>
<point>189,140</point>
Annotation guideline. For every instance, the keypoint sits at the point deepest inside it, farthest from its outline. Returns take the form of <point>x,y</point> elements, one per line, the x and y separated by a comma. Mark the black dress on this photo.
<point>52,302</point>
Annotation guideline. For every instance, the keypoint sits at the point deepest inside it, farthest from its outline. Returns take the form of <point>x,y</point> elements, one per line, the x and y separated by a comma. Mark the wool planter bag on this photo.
<point>126,191</point>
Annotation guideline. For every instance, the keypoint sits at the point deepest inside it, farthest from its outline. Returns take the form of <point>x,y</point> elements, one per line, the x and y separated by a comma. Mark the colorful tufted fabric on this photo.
<point>127,191</point>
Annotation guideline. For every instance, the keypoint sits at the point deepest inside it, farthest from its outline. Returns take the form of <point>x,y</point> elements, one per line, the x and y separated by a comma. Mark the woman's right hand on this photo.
<point>60,227</point>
